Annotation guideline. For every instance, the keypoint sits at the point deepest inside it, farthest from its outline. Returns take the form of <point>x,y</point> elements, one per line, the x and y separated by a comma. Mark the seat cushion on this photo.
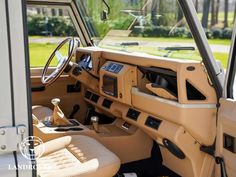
<point>77,155</point>
<point>41,112</point>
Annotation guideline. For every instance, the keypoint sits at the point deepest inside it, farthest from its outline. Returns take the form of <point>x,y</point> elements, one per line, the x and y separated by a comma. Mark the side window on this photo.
<point>217,18</point>
<point>47,27</point>
<point>234,88</point>
<point>231,80</point>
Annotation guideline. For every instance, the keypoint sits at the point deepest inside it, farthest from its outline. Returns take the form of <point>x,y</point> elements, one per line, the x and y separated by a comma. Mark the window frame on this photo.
<point>231,69</point>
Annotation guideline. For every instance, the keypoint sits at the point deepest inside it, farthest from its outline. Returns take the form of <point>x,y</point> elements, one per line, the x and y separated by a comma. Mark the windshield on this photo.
<point>156,27</point>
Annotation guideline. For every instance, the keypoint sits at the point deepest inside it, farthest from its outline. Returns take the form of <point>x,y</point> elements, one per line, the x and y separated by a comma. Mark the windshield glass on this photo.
<point>156,27</point>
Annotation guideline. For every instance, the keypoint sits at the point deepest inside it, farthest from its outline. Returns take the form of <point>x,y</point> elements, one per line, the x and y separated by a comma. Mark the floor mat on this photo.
<point>151,167</point>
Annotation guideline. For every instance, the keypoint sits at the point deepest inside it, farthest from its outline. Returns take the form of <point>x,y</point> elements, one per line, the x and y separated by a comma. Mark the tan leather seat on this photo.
<point>76,155</point>
<point>41,112</point>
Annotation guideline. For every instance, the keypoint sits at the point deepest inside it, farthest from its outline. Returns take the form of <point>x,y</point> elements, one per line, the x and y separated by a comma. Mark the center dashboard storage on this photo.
<point>117,80</point>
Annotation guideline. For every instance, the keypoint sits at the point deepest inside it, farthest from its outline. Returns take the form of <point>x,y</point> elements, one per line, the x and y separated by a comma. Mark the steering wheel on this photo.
<point>63,61</point>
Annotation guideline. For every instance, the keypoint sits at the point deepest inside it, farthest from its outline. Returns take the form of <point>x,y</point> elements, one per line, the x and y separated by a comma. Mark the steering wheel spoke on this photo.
<point>59,56</point>
<point>52,75</point>
<point>62,61</point>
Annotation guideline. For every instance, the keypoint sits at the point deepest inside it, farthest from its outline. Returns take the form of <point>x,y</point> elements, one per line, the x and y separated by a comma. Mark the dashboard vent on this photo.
<point>106,103</point>
<point>88,94</point>
<point>94,98</point>
<point>132,114</point>
<point>153,122</point>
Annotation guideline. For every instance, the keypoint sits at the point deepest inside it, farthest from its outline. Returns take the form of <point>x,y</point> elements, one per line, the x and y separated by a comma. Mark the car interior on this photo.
<point>103,113</point>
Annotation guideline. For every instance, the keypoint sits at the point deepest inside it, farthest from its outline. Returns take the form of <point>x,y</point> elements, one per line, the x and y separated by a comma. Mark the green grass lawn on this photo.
<point>39,54</point>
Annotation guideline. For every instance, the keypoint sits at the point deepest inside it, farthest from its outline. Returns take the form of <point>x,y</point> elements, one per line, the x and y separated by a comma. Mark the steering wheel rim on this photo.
<point>62,62</point>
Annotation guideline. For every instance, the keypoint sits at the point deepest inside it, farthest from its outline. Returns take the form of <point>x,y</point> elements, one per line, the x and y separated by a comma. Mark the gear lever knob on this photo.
<point>55,101</point>
<point>94,120</point>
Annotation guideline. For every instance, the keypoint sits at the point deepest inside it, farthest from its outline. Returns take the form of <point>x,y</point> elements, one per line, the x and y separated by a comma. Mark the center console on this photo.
<point>117,80</point>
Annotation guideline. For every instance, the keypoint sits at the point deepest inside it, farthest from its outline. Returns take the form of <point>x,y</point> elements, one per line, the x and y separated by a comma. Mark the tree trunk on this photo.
<point>39,10</point>
<point>226,13</point>
<point>180,14</point>
<point>161,10</point>
<point>217,10</point>
<point>234,12</point>
<point>213,19</point>
<point>205,15</point>
<point>154,13</point>
<point>196,5</point>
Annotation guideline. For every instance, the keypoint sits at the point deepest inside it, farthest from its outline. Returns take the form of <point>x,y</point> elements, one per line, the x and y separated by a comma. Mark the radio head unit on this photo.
<point>110,85</point>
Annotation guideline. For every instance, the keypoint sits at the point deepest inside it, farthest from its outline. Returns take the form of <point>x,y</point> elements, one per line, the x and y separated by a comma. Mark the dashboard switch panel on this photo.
<point>153,122</point>
<point>107,103</point>
<point>114,68</point>
<point>132,114</point>
<point>95,98</point>
<point>88,94</point>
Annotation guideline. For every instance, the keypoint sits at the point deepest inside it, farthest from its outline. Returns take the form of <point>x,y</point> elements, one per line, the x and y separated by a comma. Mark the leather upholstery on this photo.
<point>78,155</point>
<point>56,116</point>
<point>41,112</point>
<point>59,118</point>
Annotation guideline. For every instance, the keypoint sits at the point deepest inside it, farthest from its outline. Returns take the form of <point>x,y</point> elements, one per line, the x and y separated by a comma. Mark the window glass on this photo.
<point>234,88</point>
<point>158,27</point>
<point>217,18</point>
<point>47,27</point>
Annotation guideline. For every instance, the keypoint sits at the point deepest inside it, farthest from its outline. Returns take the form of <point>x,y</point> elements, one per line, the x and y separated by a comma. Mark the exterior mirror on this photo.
<point>105,13</point>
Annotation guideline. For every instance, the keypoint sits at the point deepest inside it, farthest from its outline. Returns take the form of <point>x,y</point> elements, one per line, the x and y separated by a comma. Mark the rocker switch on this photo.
<point>229,143</point>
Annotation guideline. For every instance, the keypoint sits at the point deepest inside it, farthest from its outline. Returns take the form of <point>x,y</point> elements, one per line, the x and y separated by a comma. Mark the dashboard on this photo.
<point>171,100</point>
<point>149,91</point>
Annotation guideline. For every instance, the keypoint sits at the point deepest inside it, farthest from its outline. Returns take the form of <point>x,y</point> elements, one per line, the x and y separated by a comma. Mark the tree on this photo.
<point>205,15</point>
<point>217,10</point>
<point>154,13</point>
<point>180,14</point>
<point>196,5</point>
<point>226,13</point>
<point>213,15</point>
<point>234,13</point>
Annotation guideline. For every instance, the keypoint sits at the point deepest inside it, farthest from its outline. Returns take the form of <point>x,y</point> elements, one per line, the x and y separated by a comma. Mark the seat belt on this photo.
<point>220,160</point>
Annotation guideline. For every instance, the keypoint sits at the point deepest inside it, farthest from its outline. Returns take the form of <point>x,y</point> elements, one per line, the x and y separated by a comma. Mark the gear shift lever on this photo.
<point>94,120</point>
<point>55,101</point>
<point>58,116</point>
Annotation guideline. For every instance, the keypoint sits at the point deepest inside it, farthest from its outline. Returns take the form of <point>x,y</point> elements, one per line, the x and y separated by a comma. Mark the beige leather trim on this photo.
<point>226,124</point>
<point>126,79</point>
<point>59,90</point>
<point>198,77</point>
<point>199,120</point>
<point>129,145</point>
<point>77,156</point>
<point>161,92</point>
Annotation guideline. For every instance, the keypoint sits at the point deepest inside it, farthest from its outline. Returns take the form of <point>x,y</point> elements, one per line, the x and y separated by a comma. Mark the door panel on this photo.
<point>226,126</point>
<point>59,90</point>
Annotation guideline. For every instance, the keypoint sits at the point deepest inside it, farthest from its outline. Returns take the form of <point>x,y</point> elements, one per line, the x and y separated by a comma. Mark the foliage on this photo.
<point>54,25</point>
<point>180,32</point>
<point>116,18</point>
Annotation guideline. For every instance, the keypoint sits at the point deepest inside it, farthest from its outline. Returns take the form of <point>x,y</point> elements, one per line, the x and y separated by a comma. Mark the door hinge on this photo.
<point>11,137</point>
